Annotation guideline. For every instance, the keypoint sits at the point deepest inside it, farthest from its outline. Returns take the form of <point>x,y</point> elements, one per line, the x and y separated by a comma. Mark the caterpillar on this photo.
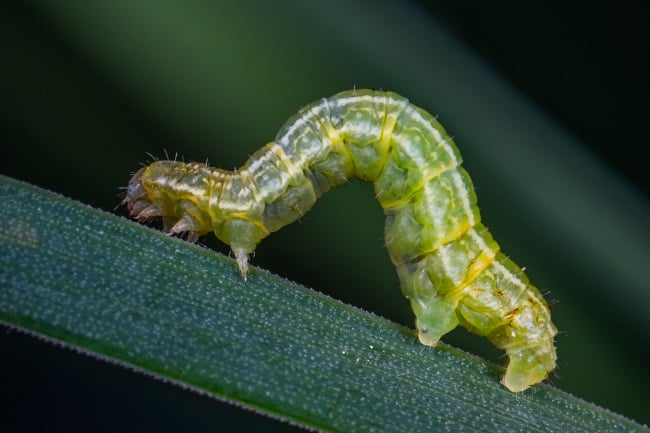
<point>450,268</point>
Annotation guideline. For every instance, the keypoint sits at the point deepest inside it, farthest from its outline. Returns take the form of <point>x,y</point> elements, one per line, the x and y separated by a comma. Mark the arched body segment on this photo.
<point>449,266</point>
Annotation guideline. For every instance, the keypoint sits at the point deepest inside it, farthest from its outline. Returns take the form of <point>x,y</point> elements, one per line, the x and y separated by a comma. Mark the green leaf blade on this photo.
<point>126,293</point>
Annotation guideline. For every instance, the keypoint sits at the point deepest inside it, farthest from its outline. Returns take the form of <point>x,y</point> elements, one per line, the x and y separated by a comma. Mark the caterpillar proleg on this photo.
<point>449,266</point>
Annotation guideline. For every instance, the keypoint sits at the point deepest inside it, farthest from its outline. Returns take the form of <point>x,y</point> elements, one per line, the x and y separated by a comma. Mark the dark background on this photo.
<point>75,123</point>
<point>585,64</point>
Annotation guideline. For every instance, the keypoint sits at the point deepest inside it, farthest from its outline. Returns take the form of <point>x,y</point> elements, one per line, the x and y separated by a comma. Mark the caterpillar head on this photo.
<point>161,190</point>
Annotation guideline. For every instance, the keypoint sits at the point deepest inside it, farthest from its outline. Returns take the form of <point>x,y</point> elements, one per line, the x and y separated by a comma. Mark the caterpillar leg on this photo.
<point>528,342</point>
<point>433,320</point>
<point>241,255</point>
<point>529,362</point>
<point>528,365</point>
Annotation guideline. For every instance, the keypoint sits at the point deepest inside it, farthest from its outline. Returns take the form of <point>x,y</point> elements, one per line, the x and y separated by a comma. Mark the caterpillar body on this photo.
<point>449,266</point>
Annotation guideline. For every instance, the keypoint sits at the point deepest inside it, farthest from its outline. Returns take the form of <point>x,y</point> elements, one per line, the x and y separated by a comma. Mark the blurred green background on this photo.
<point>547,102</point>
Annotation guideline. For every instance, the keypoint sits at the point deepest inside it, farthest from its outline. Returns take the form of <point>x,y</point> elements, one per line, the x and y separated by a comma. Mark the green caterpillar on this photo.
<point>449,267</point>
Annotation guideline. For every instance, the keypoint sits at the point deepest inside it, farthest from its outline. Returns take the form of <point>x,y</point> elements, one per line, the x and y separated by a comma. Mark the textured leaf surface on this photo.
<point>177,311</point>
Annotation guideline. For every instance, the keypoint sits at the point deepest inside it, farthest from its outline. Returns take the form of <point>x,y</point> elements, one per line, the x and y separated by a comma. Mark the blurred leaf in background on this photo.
<point>89,89</point>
